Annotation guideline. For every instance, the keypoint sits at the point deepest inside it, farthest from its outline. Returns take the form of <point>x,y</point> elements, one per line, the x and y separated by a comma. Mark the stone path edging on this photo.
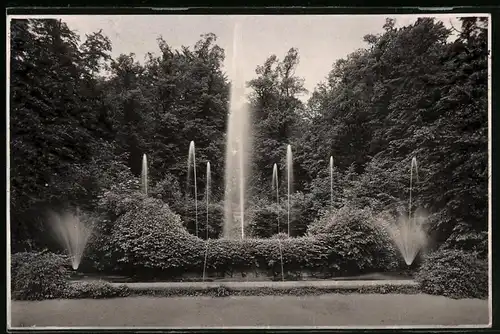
<point>275,285</point>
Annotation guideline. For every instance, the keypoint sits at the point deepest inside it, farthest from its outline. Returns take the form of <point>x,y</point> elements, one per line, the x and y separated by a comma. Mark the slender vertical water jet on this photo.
<point>281,257</point>
<point>331,181</point>
<point>192,164</point>
<point>144,175</point>
<point>209,180</point>
<point>275,187</point>
<point>412,166</point>
<point>206,227</point>
<point>289,166</point>
<point>237,151</point>
<point>205,261</point>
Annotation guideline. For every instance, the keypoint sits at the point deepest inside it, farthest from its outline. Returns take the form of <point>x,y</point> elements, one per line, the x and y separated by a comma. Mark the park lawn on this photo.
<point>323,310</point>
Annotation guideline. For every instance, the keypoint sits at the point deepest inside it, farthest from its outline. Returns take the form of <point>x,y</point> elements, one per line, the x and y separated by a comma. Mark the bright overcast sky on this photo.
<point>320,39</point>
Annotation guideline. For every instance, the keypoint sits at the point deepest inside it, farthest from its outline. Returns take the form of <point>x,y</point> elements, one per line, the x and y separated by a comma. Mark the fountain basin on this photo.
<point>249,277</point>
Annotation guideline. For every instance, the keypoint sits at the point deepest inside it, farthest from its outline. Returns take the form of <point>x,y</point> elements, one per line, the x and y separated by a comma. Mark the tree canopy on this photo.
<point>80,121</point>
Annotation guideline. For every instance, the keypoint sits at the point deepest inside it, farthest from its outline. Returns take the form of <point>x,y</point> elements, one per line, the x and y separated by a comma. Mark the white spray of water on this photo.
<point>209,180</point>
<point>192,164</point>
<point>72,230</point>
<point>281,258</point>
<point>205,261</point>
<point>331,181</point>
<point>289,168</point>
<point>237,150</point>
<point>144,175</point>
<point>408,231</point>
<point>413,164</point>
<point>275,187</point>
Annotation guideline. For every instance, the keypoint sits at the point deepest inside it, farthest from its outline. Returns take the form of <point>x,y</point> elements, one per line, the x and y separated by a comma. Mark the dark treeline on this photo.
<point>413,91</point>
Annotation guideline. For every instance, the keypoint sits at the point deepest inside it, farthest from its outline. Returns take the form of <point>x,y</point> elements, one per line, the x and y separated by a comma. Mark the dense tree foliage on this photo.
<point>80,122</point>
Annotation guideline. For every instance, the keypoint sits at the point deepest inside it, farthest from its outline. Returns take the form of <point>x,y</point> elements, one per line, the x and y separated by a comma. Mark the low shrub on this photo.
<point>95,290</point>
<point>148,238</point>
<point>17,260</point>
<point>358,240</point>
<point>38,276</point>
<point>454,273</point>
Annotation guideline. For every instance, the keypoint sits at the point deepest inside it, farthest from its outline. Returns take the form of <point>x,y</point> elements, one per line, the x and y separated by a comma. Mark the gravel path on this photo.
<point>325,310</point>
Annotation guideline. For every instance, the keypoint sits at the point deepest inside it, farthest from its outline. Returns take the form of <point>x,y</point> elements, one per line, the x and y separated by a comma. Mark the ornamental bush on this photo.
<point>358,240</point>
<point>455,274</point>
<point>36,276</point>
<point>148,237</point>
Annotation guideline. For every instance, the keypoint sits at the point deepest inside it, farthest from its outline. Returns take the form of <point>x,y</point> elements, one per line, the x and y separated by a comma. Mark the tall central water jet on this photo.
<point>331,181</point>
<point>237,151</point>
<point>192,164</point>
<point>275,187</point>
<point>144,175</point>
<point>289,170</point>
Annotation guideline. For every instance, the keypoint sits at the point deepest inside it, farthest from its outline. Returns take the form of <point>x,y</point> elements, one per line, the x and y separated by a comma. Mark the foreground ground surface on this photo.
<point>323,310</point>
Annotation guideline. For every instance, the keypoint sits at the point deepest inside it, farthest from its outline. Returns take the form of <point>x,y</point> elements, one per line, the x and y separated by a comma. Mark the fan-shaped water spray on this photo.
<point>144,175</point>
<point>289,169</point>
<point>192,164</point>
<point>72,231</point>
<point>408,231</point>
<point>275,187</point>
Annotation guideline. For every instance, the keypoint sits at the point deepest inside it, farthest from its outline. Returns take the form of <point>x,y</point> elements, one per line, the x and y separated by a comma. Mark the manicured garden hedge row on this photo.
<point>38,276</point>
<point>223,291</point>
<point>147,238</point>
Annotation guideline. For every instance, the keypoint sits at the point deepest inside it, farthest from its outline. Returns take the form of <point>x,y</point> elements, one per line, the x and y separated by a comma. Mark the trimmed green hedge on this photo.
<point>149,239</point>
<point>223,291</point>
<point>38,276</point>
<point>455,274</point>
<point>95,290</point>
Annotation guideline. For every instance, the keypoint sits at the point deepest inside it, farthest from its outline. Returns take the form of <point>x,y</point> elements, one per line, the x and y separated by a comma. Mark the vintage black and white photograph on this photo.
<point>249,171</point>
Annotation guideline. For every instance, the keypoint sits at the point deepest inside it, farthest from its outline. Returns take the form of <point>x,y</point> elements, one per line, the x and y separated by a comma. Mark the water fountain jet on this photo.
<point>408,232</point>
<point>192,164</point>
<point>331,181</point>
<point>289,166</point>
<point>281,258</point>
<point>144,175</point>
<point>72,231</point>
<point>237,151</point>
<point>205,261</point>
<point>209,180</point>
<point>275,187</point>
